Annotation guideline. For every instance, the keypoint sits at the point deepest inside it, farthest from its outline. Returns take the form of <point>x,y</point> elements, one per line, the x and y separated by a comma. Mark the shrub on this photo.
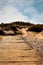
<point>36,28</point>
<point>1,32</point>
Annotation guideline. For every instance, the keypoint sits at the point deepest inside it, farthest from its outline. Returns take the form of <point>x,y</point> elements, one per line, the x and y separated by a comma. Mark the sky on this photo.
<point>21,10</point>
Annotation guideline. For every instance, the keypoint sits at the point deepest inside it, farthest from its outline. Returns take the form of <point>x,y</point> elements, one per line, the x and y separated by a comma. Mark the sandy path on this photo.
<point>14,50</point>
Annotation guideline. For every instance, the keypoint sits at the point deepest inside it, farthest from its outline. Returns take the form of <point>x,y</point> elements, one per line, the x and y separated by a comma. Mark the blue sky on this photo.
<point>21,10</point>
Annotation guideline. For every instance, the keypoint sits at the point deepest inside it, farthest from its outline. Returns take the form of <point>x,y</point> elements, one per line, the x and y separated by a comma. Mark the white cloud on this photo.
<point>9,14</point>
<point>22,2</point>
<point>30,10</point>
<point>35,16</point>
<point>0,1</point>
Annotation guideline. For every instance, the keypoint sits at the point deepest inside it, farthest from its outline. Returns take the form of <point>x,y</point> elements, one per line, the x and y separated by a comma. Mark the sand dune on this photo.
<point>21,49</point>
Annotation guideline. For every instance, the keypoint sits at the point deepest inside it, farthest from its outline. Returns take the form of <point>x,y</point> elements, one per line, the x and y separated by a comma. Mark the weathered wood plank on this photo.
<point>15,51</point>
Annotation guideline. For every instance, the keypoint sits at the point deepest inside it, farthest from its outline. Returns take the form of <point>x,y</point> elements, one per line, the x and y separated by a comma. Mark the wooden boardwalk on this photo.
<point>15,51</point>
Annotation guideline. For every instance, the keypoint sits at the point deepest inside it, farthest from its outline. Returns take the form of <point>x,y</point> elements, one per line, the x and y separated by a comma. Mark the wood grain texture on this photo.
<point>15,51</point>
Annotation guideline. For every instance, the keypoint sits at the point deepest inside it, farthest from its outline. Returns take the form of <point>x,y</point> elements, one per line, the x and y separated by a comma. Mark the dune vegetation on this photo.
<point>15,27</point>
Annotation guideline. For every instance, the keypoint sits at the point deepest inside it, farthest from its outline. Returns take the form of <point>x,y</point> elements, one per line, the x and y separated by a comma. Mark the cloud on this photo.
<point>38,18</point>
<point>10,14</point>
<point>30,10</point>
<point>39,1</point>
<point>21,2</point>
<point>1,1</point>
<point>14,10</point>
<point>35,16</point>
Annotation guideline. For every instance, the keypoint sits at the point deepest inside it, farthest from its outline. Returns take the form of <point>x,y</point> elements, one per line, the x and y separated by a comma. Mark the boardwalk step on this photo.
<point>19,63</point>
<point>15,51</point>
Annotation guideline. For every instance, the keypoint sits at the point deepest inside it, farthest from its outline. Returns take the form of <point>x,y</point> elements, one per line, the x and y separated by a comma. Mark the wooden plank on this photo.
<point>19,63</point>
<point>15,51</point>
